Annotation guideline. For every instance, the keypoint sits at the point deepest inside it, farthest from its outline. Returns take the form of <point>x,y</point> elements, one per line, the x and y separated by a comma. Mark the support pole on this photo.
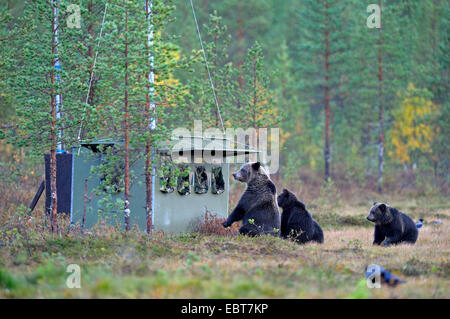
<point>60,146</point>
<point>150,110</point>
<point>151,76</point>
<point>37,196</point>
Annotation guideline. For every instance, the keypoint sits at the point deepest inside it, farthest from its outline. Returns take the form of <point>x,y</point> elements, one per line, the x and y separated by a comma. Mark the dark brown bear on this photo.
<point>391,226</point>
<point>257,207</point>
<point>296,222</point>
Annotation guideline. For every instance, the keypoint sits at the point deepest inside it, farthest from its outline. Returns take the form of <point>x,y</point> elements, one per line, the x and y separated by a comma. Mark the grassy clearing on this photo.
<point>33,263</point>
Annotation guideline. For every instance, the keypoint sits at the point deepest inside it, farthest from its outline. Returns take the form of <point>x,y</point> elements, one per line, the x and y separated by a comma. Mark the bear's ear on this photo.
<point>256,166</point>
<point>382,207</point>
<point>374,203</point>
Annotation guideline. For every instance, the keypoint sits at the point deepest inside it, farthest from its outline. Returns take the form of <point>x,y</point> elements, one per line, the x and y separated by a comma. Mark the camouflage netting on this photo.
<point>200,180</point>
<point>184,185</point>
<point>217,181</point>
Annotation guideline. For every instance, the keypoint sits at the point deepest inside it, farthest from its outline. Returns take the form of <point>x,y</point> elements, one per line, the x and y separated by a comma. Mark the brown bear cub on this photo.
<point>296,222</point>
<point>391,225</point>
<point>257,207</point>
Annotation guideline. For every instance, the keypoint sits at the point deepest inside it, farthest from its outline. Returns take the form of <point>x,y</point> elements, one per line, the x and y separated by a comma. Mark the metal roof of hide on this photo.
<point>192,144</point>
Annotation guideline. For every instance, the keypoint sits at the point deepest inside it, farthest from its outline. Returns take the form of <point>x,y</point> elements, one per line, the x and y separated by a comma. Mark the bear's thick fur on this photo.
<point>391,225</point>
<point>257,207</point>
<point>296,222</point>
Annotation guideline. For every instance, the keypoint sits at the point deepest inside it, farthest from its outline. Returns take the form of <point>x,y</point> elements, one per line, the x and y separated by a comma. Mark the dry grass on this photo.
<point>196,265</point>
<point>213,263</point>
<point>212,225</point>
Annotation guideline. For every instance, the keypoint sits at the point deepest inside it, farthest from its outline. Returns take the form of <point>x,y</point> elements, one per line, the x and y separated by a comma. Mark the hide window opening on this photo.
<point>217,181</point>
<point>184,182</point>
<point>167,178</point>
<point>201,184</point>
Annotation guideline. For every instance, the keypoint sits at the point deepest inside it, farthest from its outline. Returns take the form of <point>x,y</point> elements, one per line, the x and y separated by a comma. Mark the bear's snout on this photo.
<point>370,218</point>
<point>238,176</point>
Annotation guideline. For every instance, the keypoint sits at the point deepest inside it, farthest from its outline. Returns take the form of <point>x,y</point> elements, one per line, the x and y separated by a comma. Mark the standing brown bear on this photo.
<point>391,226</point>
<point>257,207</point>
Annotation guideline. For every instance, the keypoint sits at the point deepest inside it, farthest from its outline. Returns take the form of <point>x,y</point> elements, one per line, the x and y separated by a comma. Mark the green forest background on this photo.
<point>315,62</point>
<point>413,44</point>
<point>363,116</point>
